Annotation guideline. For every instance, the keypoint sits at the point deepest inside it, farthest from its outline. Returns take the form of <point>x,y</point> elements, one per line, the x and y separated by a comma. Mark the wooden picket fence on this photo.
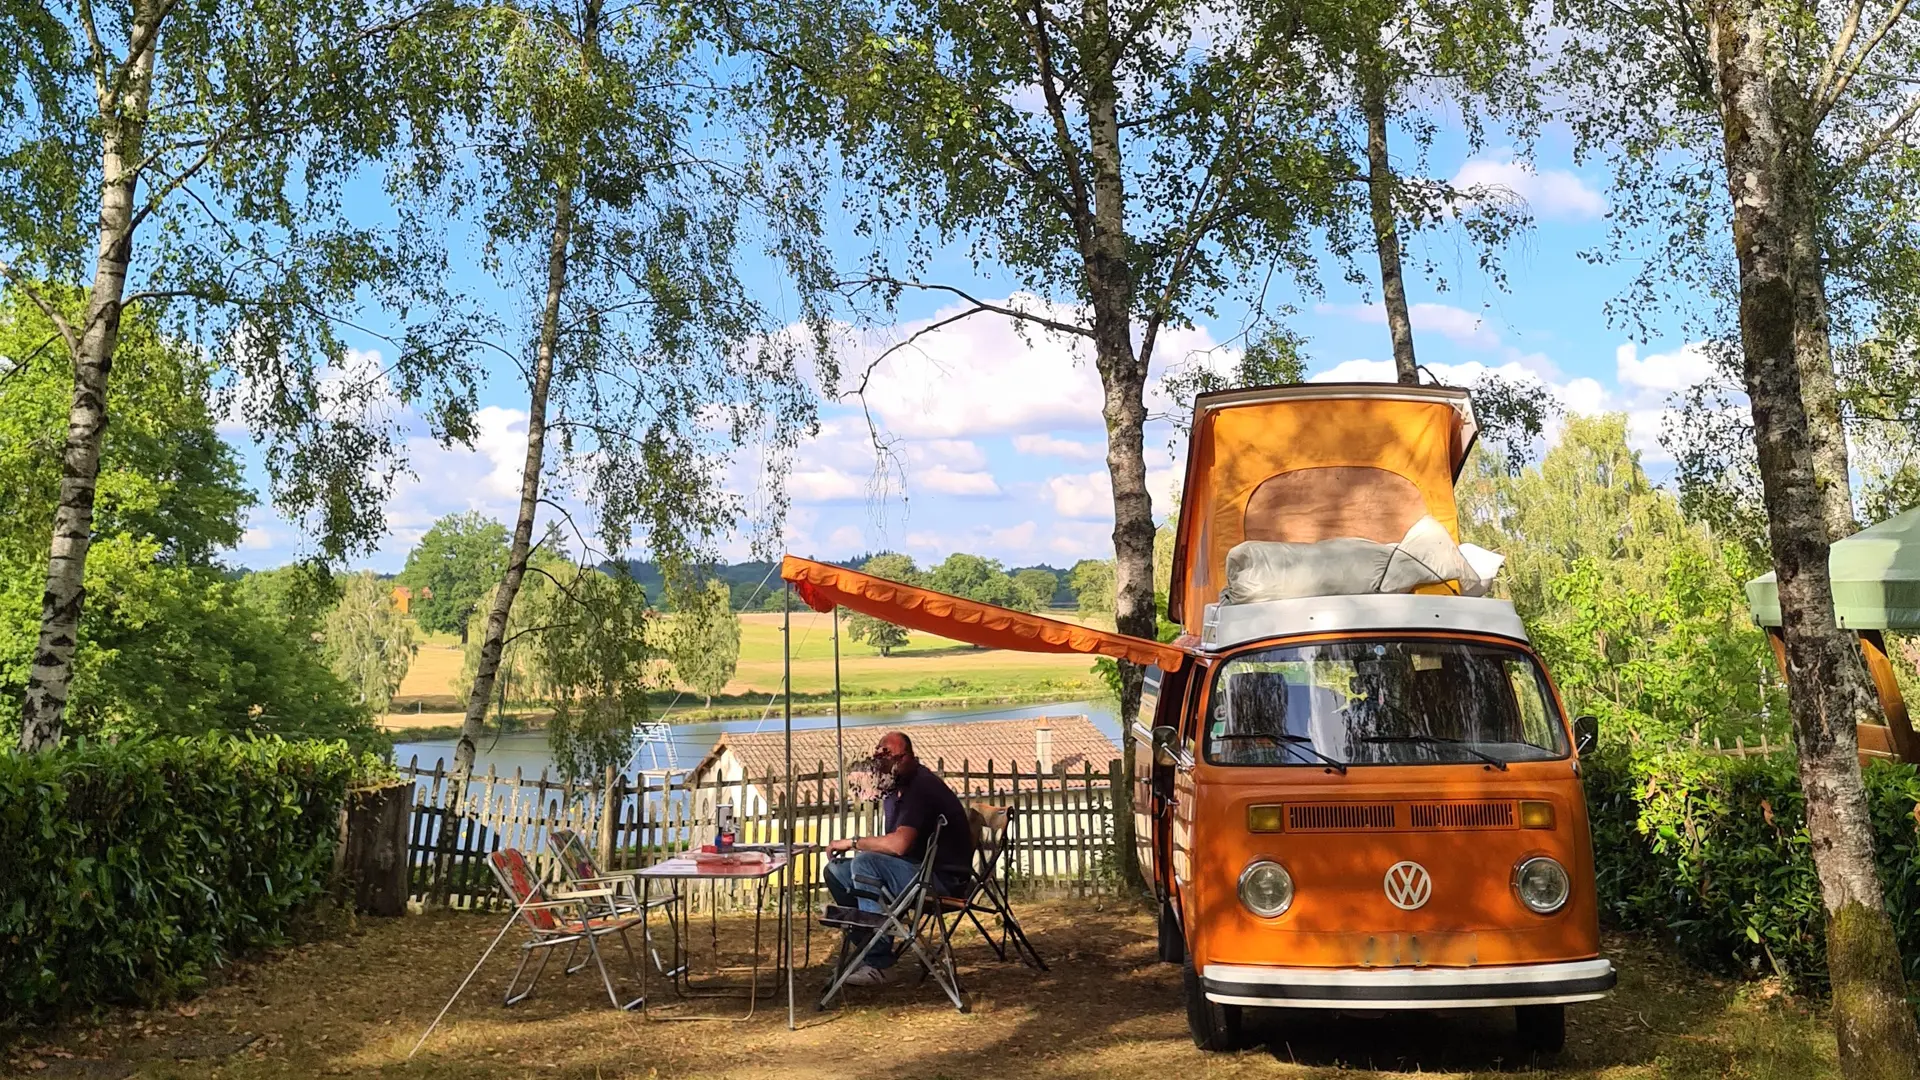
<point>1064,842</point>
<point>1740,749</point>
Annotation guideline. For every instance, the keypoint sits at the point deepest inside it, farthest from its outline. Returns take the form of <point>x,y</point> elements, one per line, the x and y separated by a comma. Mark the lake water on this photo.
<point>527,750</point>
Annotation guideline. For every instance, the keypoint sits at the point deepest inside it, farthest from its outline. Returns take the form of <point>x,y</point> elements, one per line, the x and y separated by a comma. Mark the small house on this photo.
<point>1049,766</point>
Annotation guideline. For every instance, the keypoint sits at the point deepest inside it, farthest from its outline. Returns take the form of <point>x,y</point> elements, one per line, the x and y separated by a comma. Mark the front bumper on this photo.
<point>1408,988</point>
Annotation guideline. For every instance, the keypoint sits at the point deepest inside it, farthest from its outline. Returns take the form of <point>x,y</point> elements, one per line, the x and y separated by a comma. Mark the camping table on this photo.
<point>675,872</point>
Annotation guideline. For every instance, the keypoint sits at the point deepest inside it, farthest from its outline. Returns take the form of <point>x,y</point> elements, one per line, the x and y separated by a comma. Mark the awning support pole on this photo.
<point>786,682</point>
<point>839,738</point>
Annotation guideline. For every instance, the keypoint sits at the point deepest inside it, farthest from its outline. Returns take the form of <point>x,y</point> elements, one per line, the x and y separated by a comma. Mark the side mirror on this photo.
<point>1586,733</point>
<point>1165,739</point>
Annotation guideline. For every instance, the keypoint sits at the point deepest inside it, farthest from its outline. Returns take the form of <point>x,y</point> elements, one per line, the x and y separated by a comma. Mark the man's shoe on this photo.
<point>866,975</point>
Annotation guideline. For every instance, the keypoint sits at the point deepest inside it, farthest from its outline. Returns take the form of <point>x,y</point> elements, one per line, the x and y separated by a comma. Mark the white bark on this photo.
<point>123,127</point>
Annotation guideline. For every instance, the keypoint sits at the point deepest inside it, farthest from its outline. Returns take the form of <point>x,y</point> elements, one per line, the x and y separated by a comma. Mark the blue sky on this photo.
<point>1000,438</point>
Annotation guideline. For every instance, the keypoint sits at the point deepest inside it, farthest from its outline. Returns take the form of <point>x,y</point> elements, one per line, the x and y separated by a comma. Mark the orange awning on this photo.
<point>822,586</point>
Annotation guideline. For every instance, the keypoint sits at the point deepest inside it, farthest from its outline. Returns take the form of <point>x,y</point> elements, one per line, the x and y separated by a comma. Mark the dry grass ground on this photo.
<point>919,668</point>
<point>354,1006</point>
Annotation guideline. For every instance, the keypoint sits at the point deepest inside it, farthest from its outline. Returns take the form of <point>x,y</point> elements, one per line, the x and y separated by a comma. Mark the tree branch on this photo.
<point>1057,111</point>
<point>1841,44</point>
<point>1827,96</point>
<point>47,309</point>
<point>1884,135</point>
<point>96,53</point>
<point>998,309</point>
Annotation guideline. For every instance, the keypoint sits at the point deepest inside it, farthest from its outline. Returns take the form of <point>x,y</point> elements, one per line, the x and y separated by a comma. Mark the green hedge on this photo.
<point>128,870</point>
<point>1712,853</point>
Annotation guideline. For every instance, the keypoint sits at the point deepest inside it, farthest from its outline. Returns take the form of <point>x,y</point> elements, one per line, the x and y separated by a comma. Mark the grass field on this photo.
<point>355,1006</point>
<point>925,667</point>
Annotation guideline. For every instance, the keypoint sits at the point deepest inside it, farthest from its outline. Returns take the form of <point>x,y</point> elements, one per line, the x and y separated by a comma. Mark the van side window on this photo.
<point>1149,698</point>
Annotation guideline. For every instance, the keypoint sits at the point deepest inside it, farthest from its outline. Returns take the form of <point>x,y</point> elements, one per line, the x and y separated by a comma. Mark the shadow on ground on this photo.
<point>357,1005</point>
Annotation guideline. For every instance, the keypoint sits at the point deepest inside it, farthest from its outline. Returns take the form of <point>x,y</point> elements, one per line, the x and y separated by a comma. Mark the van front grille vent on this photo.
<point>1465,815</point>
<point>1339,817</point>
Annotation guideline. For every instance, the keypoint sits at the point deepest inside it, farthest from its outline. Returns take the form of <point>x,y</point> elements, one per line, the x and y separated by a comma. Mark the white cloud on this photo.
<point>258,539</point>
<point>992,375</point>
<point>1072,541</point>
<point>1643,389</point>
<point>847,539</point>
<point>1683,368</point>
<point>501,438</point>
<point>1644,428</point>
<point>1357,371</point>
<point>951,453</point>
<point>1554,193</point>
<point>944,481</point>
<point>1048,446</point>
<point>823,484</point>
<point>1455,324</point>
<point>1087,496</point>
<point>983,375</point>
<point>1584,396</point>
<point>1014,538</point>
<point>1164,485</point>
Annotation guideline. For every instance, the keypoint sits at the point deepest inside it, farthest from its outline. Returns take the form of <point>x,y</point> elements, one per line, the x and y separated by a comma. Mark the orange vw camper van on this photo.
<point>1365,792</point>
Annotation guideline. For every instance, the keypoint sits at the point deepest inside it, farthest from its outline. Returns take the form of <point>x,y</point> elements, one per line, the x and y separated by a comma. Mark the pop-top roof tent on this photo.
<point>1876,587</point>
<point>1309,463</point>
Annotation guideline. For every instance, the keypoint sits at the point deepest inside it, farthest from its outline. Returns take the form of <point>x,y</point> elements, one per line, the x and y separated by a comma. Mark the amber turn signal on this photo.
<point>1536,815</point>
<point>1263,818</point>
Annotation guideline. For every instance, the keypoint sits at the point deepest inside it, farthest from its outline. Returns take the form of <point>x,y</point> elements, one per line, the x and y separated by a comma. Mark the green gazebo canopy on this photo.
<point>1876,579</point>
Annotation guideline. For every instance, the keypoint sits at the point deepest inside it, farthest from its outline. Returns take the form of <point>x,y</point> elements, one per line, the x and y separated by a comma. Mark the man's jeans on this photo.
<point>893,871</point>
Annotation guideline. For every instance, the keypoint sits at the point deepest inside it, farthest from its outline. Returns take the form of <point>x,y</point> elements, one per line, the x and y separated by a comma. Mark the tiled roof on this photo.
<point>1006,744</point>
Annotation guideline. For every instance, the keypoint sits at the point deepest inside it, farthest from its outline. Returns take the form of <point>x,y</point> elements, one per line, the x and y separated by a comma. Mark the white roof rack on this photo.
<point>1234,624</point>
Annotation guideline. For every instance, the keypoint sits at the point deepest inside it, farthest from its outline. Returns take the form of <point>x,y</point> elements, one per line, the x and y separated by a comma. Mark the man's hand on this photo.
<point>838,846</point>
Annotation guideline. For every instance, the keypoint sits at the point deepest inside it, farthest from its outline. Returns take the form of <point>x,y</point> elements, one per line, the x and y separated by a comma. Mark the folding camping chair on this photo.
<point>583,875</point>
<point>903,920</point>
<point>556,917</point>
<point>994,829</point>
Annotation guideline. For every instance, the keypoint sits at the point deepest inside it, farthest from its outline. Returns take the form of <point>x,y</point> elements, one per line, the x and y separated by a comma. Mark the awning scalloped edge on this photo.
<point>823,586</point>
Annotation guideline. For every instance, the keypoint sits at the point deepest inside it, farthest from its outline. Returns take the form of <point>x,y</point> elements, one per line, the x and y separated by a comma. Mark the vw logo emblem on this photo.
<point>1408,885</point>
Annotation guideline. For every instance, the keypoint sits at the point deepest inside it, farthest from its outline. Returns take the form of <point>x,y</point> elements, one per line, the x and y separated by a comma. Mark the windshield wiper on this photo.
<point>1291,742</point>
<point>1439,740</point>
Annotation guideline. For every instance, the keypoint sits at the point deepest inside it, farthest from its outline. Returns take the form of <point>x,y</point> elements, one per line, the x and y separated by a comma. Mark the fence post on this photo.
<point>1119,801</point>
<point>609,803</point>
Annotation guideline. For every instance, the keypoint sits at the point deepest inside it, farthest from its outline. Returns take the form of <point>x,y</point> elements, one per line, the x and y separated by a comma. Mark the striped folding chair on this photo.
<point>583,874</point>
<point>559,916</point>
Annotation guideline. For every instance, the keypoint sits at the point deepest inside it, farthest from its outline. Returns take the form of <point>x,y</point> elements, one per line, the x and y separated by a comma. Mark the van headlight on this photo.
<point>1543,885</point>
<point>1266,888</point>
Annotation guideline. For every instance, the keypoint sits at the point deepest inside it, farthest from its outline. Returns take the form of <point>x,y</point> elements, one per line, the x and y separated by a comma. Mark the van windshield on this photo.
<point>1382,702</point>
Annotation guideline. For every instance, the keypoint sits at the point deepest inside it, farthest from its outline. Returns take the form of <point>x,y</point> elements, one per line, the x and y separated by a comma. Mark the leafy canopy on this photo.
<point>369,644</point>
<point>1640,613</point>
<point>453,566</point>
<point>703,640</point>
<point>167,644</point>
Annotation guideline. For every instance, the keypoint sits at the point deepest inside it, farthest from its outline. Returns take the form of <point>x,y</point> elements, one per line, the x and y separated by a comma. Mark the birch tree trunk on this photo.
<point>1826,688</point>
<point>518,552</point>
<point>1386,228</point>
<point>1813,354</point>
<point>123,117</point>
<point>1123,379</point>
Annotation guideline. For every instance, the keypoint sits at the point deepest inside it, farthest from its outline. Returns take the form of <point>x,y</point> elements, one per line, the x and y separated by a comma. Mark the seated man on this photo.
<point>916,802</point>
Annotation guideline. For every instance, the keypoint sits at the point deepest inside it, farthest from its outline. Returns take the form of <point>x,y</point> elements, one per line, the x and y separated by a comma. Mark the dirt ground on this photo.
<point>356,1005</point>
